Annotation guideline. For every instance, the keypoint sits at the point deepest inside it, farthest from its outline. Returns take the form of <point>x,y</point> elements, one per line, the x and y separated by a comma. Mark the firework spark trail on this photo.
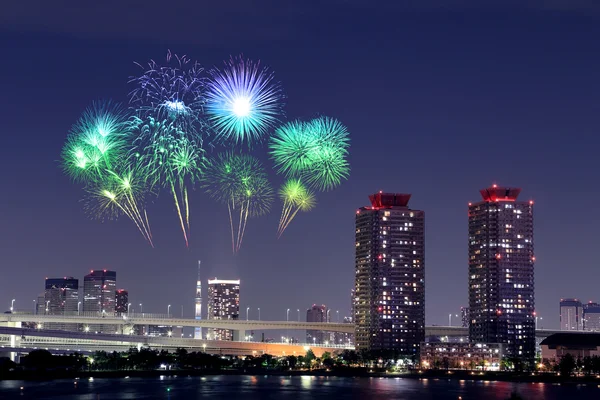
<point>241,183</point>
<point>295,197</point>
<point>243,101</point>
<point>172,158</point>
<point>95,154</point>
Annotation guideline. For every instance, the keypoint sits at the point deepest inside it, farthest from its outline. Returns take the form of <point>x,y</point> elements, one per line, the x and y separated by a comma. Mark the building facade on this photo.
<point>591,317</point>
<point>571,315</point>
<point>317,314</point>
<point>464,317</point>
<point>61,297</point>
<point>223,303</point>
<point>501,272</point>
<point>121,301</point>
<point>99,292</point>
<point>465,355</point>
<point>578,344</point>
<point>389,292</point>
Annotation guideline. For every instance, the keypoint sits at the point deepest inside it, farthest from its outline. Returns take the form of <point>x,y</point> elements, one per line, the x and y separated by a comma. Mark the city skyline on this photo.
<point>420,106</point>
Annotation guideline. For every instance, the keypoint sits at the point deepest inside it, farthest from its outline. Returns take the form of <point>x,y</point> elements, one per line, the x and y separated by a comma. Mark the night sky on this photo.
<point>441,99</point>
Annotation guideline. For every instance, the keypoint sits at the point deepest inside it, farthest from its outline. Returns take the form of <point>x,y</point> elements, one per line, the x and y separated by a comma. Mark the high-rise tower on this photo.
<point>61,298</point>
<point>389,293</point>
<point>99,292</point>
<point>501,265</point>
<point>571,315</point>
<point>198,305</point>
<point>223,303</point>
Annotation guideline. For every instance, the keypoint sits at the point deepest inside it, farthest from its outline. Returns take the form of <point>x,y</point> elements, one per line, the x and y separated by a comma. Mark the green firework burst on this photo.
<point>96,143</point>
<point>171,157</point>
<point>241,182</point>
<point>316,151</point>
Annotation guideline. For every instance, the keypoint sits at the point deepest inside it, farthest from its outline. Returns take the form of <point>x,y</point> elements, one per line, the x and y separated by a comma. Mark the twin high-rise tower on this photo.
<point>389,304</point>
<point>389,297</point>
<point>501,266</point>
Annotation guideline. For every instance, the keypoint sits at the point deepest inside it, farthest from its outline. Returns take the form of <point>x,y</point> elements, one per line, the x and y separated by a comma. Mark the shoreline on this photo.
<point>342,373</point>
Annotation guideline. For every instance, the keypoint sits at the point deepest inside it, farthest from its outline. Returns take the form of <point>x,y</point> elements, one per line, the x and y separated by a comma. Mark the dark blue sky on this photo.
<point>441,99</point>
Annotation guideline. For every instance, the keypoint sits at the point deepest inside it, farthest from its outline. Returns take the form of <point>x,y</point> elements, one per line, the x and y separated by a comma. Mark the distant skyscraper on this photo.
<point>316,314</point>
<point>464,314</point>
<point>571,315</point>
<point>121,301</point>
<point>389,307</point>
<point>99,292</point>
<point>61,295</point>
<point>591,317</point>
<point>223,303</point>
<point>61,298</point>
<point>99,297</point>
<point>501,266</point>
<point>198,305</point>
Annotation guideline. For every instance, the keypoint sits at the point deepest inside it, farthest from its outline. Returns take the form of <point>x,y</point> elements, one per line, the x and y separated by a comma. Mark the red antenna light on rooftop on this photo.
<point>470,204</point>
<point>104,270</point>
<point>494,185</point>
<point>381,191</point>
<point>530,202</point>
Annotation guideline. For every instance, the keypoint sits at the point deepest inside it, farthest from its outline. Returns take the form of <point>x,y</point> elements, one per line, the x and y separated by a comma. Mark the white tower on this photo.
<point>198,308</point>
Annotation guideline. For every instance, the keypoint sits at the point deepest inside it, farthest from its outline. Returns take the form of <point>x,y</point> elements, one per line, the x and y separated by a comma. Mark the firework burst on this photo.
<point>316,151</point>
<point>170,158</point>
<point>95,143</point>
<point>171,91</point>
<point>120,192</point>
<point>239,181</point>
<point>296,197</point>
<point>243,101</point>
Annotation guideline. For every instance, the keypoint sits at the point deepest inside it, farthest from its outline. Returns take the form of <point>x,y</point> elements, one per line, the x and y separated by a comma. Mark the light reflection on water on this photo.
<point>288,387</point>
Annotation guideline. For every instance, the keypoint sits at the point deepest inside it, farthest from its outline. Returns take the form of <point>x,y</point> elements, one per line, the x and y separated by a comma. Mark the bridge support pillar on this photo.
<point>13,341</point>
<point>239,335</point>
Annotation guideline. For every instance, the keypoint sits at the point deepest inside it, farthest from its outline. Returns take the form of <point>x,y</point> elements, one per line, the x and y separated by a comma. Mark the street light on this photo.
<point>259,313</point>
<point>47,302</point>
<point>287,315</point>
<point>247,309</point>
<point>338,315</point>
<point>536,321</point>
<point>128,306</point>
<point>78,304</point>
<point>34,306</point>
<point>298,315</point>
<point>169,311</point>
<point>141,309</point>
<point>12,305</point>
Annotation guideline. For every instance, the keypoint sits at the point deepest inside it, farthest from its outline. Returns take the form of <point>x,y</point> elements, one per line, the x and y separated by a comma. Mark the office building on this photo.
<point>223,303</point>
<point>501,269</point>
<point>591,317</point>
<point>121,301</point>
<point>61,297</point>
<point>99,292</point>
<point>571,315</point>
<point>40,304</point>
<point>99,298</point>
<point>317,314</point>
<point>389,306</point>
<point>464,317</point>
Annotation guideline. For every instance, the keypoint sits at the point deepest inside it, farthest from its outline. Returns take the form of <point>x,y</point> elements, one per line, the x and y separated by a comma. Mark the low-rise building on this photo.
<point>448,355</point>
<point>579,345</point>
